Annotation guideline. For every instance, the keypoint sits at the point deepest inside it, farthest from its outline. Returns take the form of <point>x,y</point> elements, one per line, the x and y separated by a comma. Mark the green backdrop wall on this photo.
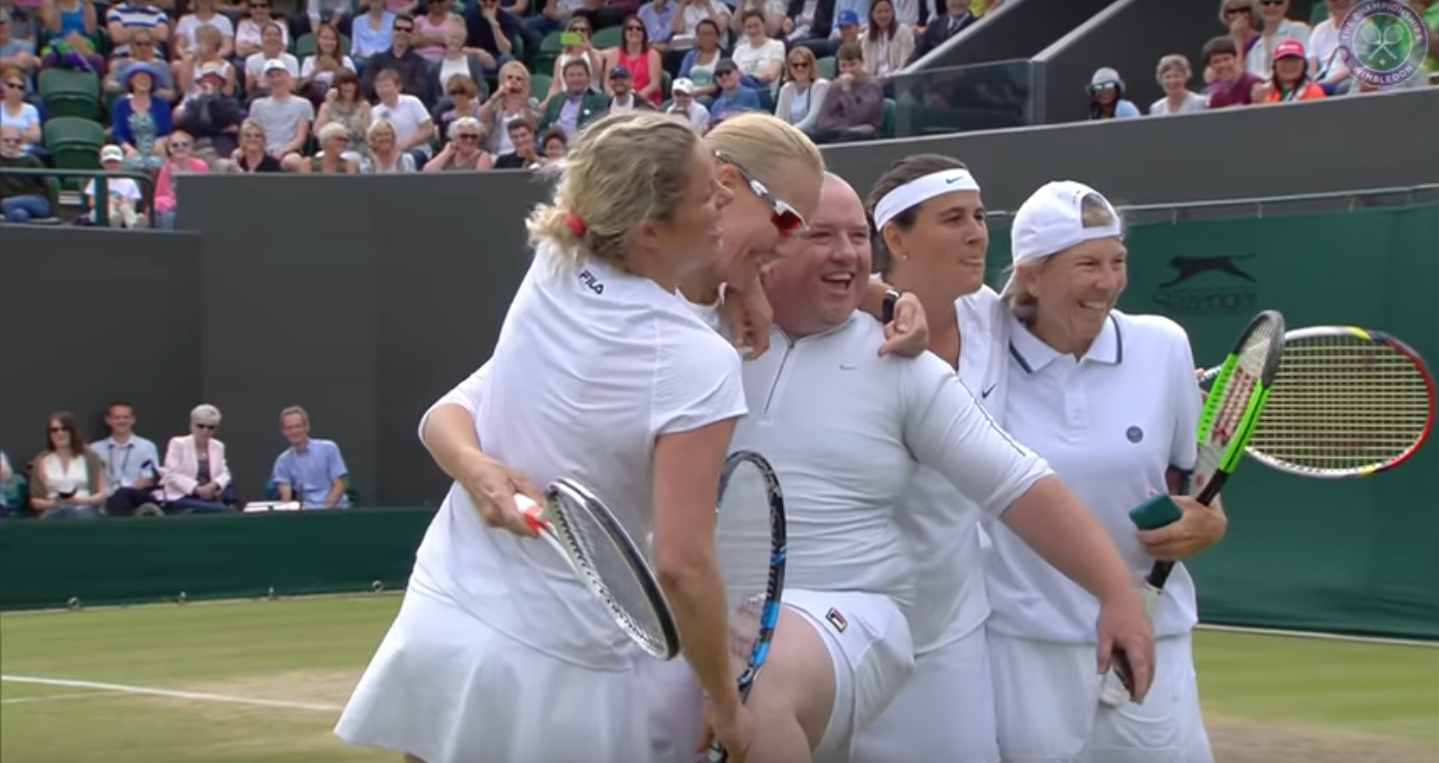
<point>1356,556</point>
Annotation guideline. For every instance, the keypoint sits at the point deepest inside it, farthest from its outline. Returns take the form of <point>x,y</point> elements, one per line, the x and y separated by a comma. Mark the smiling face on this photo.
<point>1075,290</point>
<point>945,246</point>
<point>821,275</point>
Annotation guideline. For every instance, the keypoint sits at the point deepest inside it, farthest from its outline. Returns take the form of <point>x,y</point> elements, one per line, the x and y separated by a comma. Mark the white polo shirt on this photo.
<point>940,525</point>
<point>846,430</point>
<point>1111,424</point>
<point>592,365</point>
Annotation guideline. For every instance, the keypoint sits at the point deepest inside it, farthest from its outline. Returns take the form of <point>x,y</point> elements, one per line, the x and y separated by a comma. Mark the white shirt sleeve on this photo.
<point>697,383</point>
<point>467,394</point>
<point>948,431</point>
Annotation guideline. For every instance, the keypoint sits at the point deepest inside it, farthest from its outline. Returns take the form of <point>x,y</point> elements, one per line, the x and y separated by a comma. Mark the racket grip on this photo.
<point>532,511</point>
<point>716,754</point>
<point>1114,693</point>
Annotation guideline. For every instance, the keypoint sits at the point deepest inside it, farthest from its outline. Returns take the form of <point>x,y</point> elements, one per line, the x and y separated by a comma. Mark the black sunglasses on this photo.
<point>210,427</point>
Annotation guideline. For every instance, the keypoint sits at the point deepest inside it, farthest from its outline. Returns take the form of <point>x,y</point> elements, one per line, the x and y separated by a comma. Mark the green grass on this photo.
<point>312,650</point>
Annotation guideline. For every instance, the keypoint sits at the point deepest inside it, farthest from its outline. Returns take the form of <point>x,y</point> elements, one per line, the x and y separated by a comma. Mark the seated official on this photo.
<point>132,464</point>
<point>311,470</point>
<point>195,477</point>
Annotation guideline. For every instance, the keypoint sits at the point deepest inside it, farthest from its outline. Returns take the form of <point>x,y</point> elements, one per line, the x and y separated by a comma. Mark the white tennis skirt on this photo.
<point>447,688</point>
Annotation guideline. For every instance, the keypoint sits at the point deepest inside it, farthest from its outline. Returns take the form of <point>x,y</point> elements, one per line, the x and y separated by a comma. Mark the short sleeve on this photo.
<point>467,394</point>
<point>337,463</point>
<point>280,473</point>
<point>697,382</point>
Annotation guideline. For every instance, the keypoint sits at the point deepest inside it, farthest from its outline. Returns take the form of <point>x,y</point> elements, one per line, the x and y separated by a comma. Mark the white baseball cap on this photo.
<point>1052,220</point>
<point>112,153</point>
<point>275,64</point>
<point>683,85</point>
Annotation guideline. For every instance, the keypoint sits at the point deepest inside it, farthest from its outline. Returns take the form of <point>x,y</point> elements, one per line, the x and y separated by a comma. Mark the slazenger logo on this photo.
<point>1208,286</point>
<point>588,279</point>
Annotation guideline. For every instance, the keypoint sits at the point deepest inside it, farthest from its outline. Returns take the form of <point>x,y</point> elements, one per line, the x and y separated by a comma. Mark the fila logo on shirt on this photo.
<point>588,279</point>
<point>836,619</point>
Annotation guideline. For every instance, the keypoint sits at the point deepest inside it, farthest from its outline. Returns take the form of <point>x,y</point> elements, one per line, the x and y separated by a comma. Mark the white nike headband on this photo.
<point>920,190</point>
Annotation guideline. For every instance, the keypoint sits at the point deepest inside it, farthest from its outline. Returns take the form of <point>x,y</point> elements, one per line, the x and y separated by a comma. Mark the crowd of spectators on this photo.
<point>123,474</point>
<point>327,86</point>
<point>1266,56</point>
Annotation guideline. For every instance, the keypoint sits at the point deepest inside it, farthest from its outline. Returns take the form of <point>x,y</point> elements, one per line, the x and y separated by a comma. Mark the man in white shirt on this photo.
<point>413,126</point>
<point>132,464</point>
<point>123,195</point>
<point>285,118</point>
<point>684,103</point>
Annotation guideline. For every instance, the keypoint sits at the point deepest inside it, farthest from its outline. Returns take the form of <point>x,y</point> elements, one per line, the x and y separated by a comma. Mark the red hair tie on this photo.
<point>577,226</point>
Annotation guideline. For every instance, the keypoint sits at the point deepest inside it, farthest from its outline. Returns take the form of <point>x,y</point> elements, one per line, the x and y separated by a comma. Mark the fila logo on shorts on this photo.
<point>589,280</point>
<point>836,619</point>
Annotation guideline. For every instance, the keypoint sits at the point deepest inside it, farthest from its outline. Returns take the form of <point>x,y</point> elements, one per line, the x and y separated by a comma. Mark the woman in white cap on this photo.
<point>1108,399</point>
<point>931,239</point>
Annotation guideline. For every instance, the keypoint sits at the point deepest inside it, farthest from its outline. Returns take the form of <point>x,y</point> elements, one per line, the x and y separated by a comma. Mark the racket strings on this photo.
<point>605,567</point>
<point>1343,402</point>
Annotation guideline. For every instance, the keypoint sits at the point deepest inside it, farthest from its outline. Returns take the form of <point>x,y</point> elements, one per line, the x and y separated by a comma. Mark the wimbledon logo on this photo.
<point>1383,42</point>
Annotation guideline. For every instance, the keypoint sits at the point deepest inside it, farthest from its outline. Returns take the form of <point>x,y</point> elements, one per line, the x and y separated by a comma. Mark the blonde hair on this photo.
<point>294,410</point>
<point>765,145</point>
<point>378,126</point>
<point>1176,62</point>
<point>622,170</point>
<point>1255,20</point>
<point>205,413</point>
<point>330,130</point>
<point>461,124</point>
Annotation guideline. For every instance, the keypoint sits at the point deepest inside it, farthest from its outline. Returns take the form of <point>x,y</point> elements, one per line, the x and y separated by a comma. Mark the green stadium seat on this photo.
<point>550,49</point>
<point>826,67</point>
<point>305,46</point>
<point>609,37</point>
<point>70,93</point>
<point>539,85</point>
<point>886,124</point>
<point>74,142</point>
<point>665,82</point>
<point>1318,13</point>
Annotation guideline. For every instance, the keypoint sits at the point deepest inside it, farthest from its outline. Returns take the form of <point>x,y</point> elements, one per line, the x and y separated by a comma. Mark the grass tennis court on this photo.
<point>263,681</point>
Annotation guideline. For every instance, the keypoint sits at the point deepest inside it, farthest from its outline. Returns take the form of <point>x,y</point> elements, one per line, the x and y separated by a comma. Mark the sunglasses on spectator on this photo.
<point>10,141</point>
<point>799,64</point>
<point>1235,11</point>
<point>580,29</point>
<point>1275,3</point>
<point>468,136</point>
<point>405,28</point>
<point>179,144</point>
<point>58,429</point>
<point>634,29</point>
<point>16,85</point>
<point>787,220</point>
<point>210,427</point>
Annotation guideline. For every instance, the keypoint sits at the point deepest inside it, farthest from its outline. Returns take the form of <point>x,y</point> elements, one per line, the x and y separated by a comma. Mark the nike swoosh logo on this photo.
<point>985,394</point>
<point>951,181</point>
<point>848,367</point>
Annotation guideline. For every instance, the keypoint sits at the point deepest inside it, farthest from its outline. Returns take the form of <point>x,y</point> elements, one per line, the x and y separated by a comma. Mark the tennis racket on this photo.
<point>1231,411</point>
<point>750,542</point>
<point>583,531</point>
<point>1347,403</point>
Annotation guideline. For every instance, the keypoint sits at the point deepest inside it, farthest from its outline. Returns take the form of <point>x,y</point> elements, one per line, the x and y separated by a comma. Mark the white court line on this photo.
<point>170,693</point>
<point>1320,636</point>
<point>53,697</point>
<point>57,610</point>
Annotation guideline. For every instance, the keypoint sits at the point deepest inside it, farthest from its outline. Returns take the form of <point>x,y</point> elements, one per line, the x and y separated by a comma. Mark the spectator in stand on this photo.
<point>22,197</point>
<point>285,116</point>
<point>771,11</point>
<point>491,31</point>
<point>1289,80</point>
<point>623,98</point>
<point>1276,28</point>
<point>733,96</point>
<point>522,139</point>
<point>142,58</point>
<point>555,144</point>
<point>15,112</point>
<point>73,23</point>
<point>956,19</point>
<point>250,32</point>
<point>406,114</point>
<point>213,116</point>
<point>1429,11</point>
<point>124,197</point>
<point>385,154</point>
<point>691,12</point>
<point>553,15</point>
<point>847,28</point>
<point>317,71</point>
<point>16,52</point>
<point>808,22</point>
<point>853,107</point>
<point>204,56</point>
<point>459,61</point>
<point>1232,85</point>
<point>251,155</point>
<point>23,21</point>
<point>803,91</point>
<point>1327,65</point>
<point>915,14</point>
<point>578,104</point>
<point>141,122</point>
<point>182,161</point>
<point>67,480</point>
<point>370,34</point>
<point>887,43</point>
<point>131,464</point>
<point>311,470</point>
<point>272,48</point>
<point>344,105</point>
<point>1246,27</point>
<point>195,476</point>
<point>658,16</point>
<point>461,100</point>
<point>413,71</point>
<point>334,156</point>
<point>684,103</point>
<point>759,58</point>
<point>186,39</point>
<point>582,51</point>
<point>325,13</point>
<point>642,61</point>
<point>1174,74</point>
<point>432,28</point>
<point>700,62</point>
<point>7,477</point>
<point>1106,96</point>
<point>462,152</point>
<point>510,102</point>
<point>126,19</point>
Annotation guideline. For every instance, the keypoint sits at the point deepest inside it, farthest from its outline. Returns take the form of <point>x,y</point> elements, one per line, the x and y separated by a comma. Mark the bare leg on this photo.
<point>793,698</point>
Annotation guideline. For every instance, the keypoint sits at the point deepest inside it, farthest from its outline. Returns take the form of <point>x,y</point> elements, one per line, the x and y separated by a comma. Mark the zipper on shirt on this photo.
<point>779,374</point>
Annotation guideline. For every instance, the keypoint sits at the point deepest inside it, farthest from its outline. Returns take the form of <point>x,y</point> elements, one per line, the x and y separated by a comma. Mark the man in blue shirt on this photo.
<point>132,464</point>
<point>733,97</point>
<point>311,470</point>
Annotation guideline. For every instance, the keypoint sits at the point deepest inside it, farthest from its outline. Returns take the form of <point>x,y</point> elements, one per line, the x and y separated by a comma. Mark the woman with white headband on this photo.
<point>931,240</point>
<point>1109,400</point>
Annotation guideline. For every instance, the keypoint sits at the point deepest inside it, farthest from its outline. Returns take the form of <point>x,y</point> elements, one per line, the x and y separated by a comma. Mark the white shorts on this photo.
<point>1048,710</point>
<point>944,712</point>
<point>448,688</point>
